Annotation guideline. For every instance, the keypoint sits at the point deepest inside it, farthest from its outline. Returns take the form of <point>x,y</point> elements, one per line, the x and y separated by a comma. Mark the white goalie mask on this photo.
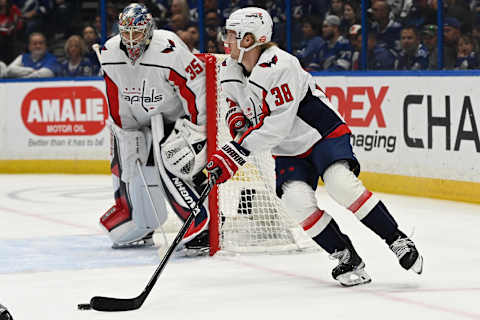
<point>252,20</point>
<point>136,27</point>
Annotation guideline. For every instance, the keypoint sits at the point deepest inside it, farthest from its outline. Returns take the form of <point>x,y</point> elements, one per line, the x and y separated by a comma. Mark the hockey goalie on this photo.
<point>156,97</point>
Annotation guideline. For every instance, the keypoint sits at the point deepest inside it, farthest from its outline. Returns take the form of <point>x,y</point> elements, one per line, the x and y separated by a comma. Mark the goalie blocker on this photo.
<point>172,173</point>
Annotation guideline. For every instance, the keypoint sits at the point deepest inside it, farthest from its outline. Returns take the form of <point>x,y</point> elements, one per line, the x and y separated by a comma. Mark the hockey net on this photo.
<point>246,214</point>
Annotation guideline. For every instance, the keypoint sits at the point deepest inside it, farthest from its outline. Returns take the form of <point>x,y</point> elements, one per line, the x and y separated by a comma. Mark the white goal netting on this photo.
<point>251,217</point>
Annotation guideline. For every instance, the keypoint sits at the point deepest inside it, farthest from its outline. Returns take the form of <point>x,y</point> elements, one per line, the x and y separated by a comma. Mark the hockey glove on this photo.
<point>225,162</point>
<point>236,120</point>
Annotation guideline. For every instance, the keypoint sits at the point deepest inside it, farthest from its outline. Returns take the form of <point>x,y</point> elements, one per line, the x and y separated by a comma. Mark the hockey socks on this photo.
<point>380,221</point>
<point>331,239</point>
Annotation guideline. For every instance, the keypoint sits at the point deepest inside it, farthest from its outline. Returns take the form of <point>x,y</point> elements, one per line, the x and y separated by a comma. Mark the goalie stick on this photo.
<point>118,304</point>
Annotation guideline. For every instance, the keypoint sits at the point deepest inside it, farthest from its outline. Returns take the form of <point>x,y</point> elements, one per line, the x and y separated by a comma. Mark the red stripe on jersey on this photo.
<point>186,93</point>
<point>265,112</point>
<point>360,201</point>
<point>312,219</point>
<point>339,131</point>
<point>112,96</point>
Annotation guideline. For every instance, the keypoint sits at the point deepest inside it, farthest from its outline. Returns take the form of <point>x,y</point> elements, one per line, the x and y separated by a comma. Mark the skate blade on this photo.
<point>190,253</point>
<point>354,278</point>
<point>132,245</point>
<point>417,267</point>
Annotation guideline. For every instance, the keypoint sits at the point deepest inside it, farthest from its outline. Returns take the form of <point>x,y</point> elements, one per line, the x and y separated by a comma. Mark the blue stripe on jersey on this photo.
<point>318,115</point>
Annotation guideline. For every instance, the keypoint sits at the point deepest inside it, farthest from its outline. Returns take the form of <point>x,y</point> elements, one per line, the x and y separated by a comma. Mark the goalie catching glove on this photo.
<point>225,162</point>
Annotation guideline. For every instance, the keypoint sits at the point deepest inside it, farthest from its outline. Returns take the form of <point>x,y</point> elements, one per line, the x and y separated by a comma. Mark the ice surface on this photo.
<point>54,256</point>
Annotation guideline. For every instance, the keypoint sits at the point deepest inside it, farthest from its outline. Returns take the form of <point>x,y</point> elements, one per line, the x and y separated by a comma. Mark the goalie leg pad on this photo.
<point>132,217</point>
<point>131,145</point>
<point>182,197</point>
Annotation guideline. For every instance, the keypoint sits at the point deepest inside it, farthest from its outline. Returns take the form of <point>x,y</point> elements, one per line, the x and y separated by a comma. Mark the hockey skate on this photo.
<point>350,270</point>
<point>146,241</point>
<point>198,246</point>
<point>407,254</point>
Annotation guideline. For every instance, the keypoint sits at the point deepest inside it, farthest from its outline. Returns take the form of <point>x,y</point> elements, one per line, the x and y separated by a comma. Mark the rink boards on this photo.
<point>414,134</point>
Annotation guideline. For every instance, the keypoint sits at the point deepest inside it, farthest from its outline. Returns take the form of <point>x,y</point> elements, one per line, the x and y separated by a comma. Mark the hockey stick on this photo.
<point>117,304</point>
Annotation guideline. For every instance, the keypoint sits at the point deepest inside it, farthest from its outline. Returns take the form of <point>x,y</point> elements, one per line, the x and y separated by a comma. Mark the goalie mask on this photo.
<point>252,20</point>
<point>136,26</point>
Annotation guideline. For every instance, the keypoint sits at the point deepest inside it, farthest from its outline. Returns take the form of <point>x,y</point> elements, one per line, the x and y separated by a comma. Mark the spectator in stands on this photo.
<point>33,12</point>
<point>459,10</point>
<point>76,64</point>
<point>378,58</point>
<point>191,37</point>
<point>180,7</point>
<point>399,9</point>
<point>36,63</point>
<point>387,30</point>
<point>112,20</point>
<point>414,55</point>
<point>311,44</point>
<point>429,40</point>
<point>422,13</point>
<point>179,16</point>
<point>10,26</point>
<point>467,53</point>
<point>476,34</point>
<point>90,36</point>
<point>351,16</point>
<point>212,46</point>
<point>336,8</point>
<point>208,5</point>
<point>177,22</point>
<point>451,34</point>
<point>232,6</point>
<point>336,52</point>
<point>213,31</point>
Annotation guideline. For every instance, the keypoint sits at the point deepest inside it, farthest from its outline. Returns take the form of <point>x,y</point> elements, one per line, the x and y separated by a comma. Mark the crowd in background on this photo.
<point>47,38</point>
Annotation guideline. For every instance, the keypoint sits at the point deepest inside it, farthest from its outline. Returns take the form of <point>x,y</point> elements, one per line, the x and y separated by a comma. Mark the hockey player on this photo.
<point>275,105</point>
<point>155,89</point>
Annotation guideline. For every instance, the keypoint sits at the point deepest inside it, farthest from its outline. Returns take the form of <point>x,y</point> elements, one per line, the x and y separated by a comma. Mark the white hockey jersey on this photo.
<point>167,78</point>
<point>289,113</point>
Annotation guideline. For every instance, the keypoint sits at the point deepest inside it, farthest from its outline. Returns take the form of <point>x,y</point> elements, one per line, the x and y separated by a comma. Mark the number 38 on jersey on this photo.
<point>282,94</point>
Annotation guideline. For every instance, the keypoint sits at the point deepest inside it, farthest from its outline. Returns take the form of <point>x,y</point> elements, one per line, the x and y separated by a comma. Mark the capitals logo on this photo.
<point>169,48</point>
<point>269,63</point>
<point>147,97</point>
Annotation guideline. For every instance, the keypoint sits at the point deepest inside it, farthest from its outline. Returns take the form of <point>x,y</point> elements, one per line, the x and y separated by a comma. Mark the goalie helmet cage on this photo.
<point>246,214</point>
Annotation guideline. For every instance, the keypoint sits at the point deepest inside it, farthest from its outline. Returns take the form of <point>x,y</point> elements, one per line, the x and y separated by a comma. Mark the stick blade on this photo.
<point>114,304</point>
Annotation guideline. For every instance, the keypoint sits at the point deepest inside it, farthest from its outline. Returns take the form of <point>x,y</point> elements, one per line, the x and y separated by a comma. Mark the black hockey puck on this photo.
<point>84,306</point>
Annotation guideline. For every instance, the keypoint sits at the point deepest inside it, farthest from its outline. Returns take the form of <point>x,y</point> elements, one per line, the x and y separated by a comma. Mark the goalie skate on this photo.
<point>350,270</point>
<point>198,246</point>
<point>146,241</point>
<point>407,254</point>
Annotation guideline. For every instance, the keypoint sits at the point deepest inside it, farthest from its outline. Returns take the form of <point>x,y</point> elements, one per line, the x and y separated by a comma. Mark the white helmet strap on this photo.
<point>243,50</point>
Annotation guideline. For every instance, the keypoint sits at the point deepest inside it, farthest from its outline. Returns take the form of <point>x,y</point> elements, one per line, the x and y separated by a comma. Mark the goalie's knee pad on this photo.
<point>133,217</point>
<point>347,190</point>
<point>301,203</point>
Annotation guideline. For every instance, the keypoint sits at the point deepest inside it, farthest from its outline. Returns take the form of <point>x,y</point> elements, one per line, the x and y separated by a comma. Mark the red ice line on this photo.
<point>41,217</point>
<point>377,293</point>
